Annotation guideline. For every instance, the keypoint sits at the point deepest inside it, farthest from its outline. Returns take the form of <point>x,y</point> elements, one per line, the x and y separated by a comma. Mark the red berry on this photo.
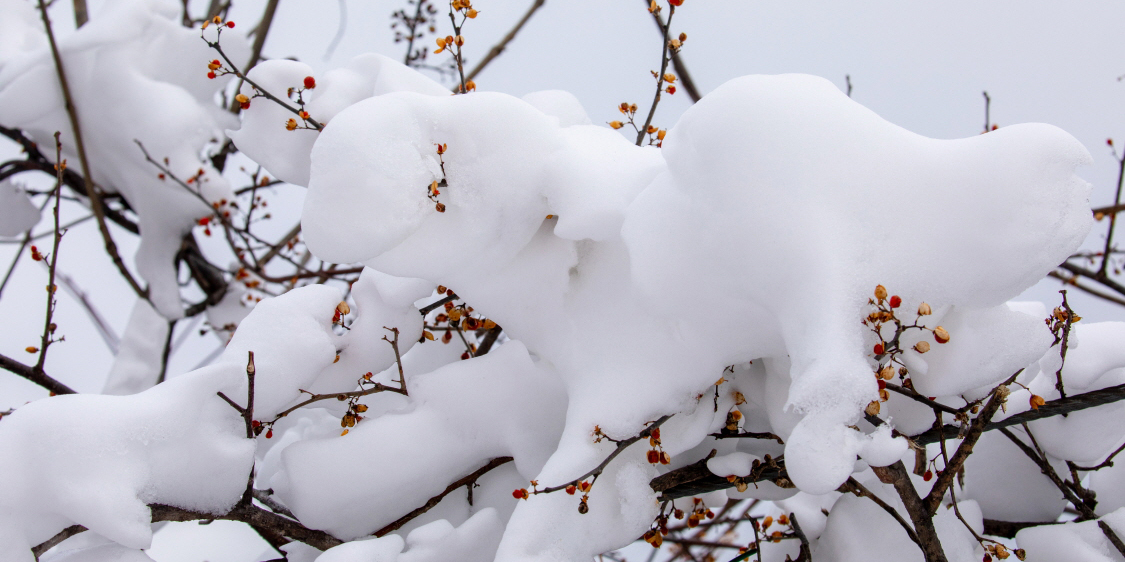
<point>520,494</point>
<point>310,82</point>
<point>671,90</point>
<point>230,24</point>
<point>204,221</point>
<point>878,348</point>
<point>895,301</point>
<point>465,356</point>
<point>216,61</point>
<point>882,384</point>
<point>246,105</point>
<point>676,2</point>
<point>653,456</point>
<point>570,489</point>
<point>211,75</point>
<point>269,434</point>
<point>928,476</point>
<point>255,423</point>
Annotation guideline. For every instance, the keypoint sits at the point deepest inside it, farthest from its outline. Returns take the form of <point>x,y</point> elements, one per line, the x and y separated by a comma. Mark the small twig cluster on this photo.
<point>224,66</point>
<point>585,482</point>
<point>888,352</point>
<point>435,187</point>
<point>453,43</point>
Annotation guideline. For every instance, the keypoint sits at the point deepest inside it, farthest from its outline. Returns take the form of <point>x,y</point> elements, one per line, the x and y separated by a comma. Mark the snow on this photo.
<point>1080,542</point>
<point>458,418</point>
<point>696,227</point>
<point>128,87</point>
<point>98,460</point>
<point>627,280</point>
<point>17,213</point>
<point>140,357</point>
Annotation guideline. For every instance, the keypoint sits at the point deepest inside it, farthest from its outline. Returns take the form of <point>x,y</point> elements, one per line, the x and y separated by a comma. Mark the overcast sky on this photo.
<point>921,65</point>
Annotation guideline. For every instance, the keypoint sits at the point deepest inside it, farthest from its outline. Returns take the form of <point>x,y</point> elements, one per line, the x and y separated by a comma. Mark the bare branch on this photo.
<point>91,189</point>
<point>469,480</point>
<point>34,375</point>
<point>498,48</point>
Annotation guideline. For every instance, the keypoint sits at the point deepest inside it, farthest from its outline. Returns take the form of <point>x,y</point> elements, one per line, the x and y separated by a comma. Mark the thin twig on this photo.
<point>91,189</point>
<point>48,337</point>
<point>398,359</point>
<point>664,59</point>
<point>1113,216</point>
<point>265,93</point>
<point>260,33</point>
<point>859,490</point>
<point>678,64</point>
<point>805,554</point>
<point>597,470</point>
<point>34,375</point>
<point>997,398</point>
<point>498,48</point>
<point>466,481</point>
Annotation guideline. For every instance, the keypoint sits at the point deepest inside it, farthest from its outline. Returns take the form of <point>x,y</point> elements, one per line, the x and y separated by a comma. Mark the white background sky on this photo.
<point>921,65</point>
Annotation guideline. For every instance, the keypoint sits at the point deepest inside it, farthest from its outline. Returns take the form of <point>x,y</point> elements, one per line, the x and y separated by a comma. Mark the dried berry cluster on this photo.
<point>888,352</point>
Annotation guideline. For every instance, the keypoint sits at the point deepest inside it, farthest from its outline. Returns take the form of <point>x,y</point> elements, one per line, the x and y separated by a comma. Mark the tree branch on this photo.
<point>466,481</point>
<point>499,47</point>
<point>34,375</point>
<point>91,189</point>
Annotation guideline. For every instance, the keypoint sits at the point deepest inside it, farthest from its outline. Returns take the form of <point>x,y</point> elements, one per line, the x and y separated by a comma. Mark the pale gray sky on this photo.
<point>921,65</point>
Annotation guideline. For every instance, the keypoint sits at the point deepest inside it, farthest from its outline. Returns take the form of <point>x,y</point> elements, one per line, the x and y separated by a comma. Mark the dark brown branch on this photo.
<point>853,486</point>
<point>34,375</point>
<point>90,188</point>
<point>266,497</point>
<point>48,337</point>
<point>81,14</point>
<point>1008,529</point>
<point>247,513</point>
<point>678,64</point>
<point>1073,282</point>
<point>50,543</point>
<point>998,396</point>
<point>242,76</point>
<point>664,59</point>
<point>1112,536</point>
<point>1103,279</point>
<point>805,554</point>
<point>597,470</point>
<point>749,435</point>
<point>920,513</point>
<point>466,481</point>
<point>434,305</point>
<point>1113,217</point>
<point>398,359</point>
<point>489,340</point>
<point>498,48</point>
<point>260,33</point>
<point>255,517</point>
<point>1073,403</point>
